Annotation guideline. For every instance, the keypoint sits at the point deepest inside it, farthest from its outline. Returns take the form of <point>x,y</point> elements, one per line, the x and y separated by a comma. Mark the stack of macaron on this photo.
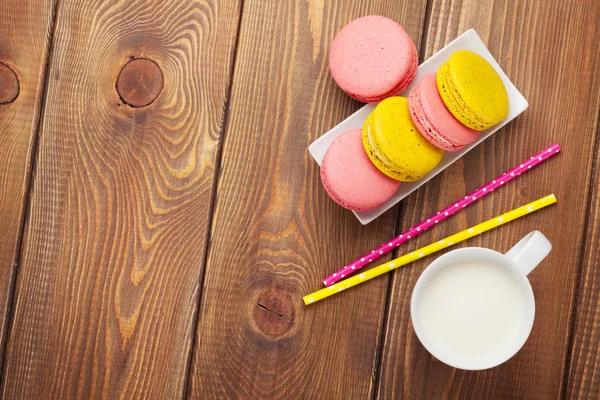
<point>374,60</point>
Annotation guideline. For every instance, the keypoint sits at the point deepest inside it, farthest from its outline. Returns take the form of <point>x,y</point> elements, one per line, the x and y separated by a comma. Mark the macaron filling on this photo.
<point>380,160</point>
<point>434,120</point>
<point>418,114</point>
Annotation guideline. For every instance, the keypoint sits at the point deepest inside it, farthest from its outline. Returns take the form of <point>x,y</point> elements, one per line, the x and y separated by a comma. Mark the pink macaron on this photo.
<point>433,119</point>
<point>373,58</point>
<point>349,176</point>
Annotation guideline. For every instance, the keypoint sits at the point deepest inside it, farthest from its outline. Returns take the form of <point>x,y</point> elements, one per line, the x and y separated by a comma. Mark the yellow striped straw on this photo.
<point>432,248</point>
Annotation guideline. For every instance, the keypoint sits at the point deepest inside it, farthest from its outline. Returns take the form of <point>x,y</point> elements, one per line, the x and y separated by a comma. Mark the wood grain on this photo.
<point>555,65</point>
<point>114,244</point>
<point>276,234</point>
<point>25,29</point>
<point>583,381</point>
<point>9,84</point>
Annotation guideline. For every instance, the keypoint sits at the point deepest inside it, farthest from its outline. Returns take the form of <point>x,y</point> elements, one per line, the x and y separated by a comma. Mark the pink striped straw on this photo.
<point>442,215</point>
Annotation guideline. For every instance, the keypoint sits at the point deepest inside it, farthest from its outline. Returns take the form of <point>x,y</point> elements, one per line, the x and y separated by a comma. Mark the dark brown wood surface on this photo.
<point>275,230</point>
<point>24,40</point>
<point>175,219</point>
<point>113,251</point>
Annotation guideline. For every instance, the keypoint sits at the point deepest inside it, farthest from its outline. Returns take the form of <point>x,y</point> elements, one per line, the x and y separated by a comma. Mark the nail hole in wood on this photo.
<point>139,82</point>
<point>9,84</point>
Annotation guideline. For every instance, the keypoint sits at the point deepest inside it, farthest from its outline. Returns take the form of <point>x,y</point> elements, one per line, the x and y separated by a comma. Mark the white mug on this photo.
<point>519,261</point>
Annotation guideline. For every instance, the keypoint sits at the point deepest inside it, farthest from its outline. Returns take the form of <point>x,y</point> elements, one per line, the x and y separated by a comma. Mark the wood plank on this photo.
<point>25,29</point>
<point>275,232</point>
<point>113,251</point>
<point>583,379</point>
<point>548,49</point>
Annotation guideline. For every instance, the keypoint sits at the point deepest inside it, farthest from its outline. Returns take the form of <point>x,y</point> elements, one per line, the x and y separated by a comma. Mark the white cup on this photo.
<point>519,261</point>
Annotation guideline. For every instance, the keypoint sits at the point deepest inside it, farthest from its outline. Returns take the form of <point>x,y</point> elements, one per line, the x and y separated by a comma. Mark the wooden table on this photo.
<point>161,217</point>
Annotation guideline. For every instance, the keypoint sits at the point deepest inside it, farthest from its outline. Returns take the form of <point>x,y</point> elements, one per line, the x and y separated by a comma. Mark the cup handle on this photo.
<point>530,251</point>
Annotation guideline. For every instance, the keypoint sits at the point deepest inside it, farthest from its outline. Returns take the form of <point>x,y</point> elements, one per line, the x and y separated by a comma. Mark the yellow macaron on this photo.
<point>395,145</point>
<point>472,90</point>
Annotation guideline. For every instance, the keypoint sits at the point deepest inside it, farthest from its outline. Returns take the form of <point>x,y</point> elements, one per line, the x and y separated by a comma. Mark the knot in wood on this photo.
<point>9,84</point>
<point>274,313</point>
<point>139,82</point>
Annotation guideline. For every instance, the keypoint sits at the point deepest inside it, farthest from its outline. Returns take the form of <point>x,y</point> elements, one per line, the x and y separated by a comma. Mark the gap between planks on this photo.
<point>31,169</point>
<point>376,376</point>
<point>216,177</point>
<point>581,259</point>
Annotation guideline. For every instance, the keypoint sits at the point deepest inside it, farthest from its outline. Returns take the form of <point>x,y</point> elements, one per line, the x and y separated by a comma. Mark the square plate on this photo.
<point>469,40</point>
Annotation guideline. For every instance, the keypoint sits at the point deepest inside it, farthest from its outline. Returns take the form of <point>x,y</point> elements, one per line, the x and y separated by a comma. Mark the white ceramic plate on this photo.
<point>470,41</point>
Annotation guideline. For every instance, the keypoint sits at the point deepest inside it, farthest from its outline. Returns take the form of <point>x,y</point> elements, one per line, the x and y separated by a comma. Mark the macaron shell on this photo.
<point>472,90</point>
<point>350,178</point>
<point>452,102</point>
<point>395,91</point>
<point>395,145</point>
<point>372,58</point>
<point>433,119</point>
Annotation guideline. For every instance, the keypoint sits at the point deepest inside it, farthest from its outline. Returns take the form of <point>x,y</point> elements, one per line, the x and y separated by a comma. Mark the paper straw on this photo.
<point>432,248</point>
<point>442,215</point>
